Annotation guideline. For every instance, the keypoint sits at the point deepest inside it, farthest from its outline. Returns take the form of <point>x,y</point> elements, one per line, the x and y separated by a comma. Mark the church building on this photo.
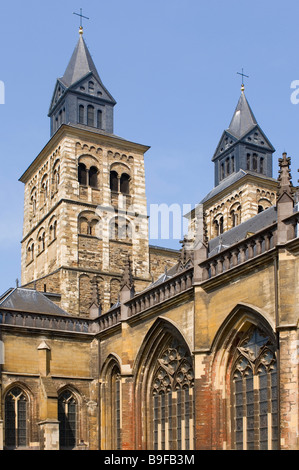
<point>110,343</point>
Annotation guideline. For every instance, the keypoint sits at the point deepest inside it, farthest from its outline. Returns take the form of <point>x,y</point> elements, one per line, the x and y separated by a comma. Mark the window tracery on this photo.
<point>16,413</point>
<point>255,405</point>
<point>67,415</point>
<point>172,400</point>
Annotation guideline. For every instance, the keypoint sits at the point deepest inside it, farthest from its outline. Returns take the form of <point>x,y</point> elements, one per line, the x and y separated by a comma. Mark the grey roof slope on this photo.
<point>238,233</point>
<point>231,179</point>
<point>29,300</point>
<point>243,119</point>
<point>79,65</point>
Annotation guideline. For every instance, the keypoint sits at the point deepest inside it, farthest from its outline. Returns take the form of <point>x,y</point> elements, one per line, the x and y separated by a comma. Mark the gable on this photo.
<point>91,86</point>
<point>59,92</point>
<point>257,137</point>
<point>226,142</point>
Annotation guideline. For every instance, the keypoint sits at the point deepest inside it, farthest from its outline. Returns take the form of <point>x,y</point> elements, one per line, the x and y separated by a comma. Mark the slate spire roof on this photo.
<point>80,64</point>
<point>243,119</point>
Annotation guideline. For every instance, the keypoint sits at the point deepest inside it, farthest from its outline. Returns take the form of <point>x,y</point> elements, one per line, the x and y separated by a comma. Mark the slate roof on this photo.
<point>231,179</point>
<point>29,300</point>
<point>80,64</point>
<point>238,233</point>
<point>243,119</point>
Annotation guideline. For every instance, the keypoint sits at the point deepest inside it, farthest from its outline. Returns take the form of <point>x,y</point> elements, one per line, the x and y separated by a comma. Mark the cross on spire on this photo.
<point>81,17</point>
<point>243,75</point>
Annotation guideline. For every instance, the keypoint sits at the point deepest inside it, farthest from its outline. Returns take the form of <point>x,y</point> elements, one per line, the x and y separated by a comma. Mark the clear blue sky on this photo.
<point>172,68</point>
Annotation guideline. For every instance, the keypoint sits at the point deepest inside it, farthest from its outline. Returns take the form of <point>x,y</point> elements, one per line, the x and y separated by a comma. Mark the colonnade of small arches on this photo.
<point>45,237</point>
<point>46,188</point>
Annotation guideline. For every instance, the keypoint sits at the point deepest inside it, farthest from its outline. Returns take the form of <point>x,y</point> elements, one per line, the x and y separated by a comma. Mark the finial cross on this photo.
<point>81,16</point>
<point>243,75</point>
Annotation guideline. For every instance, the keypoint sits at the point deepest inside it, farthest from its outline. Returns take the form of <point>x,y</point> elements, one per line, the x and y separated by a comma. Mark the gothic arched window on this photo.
<point>67,416</point>
<point>254,393</point>
<point>16,417</point>
<point>172,400</point>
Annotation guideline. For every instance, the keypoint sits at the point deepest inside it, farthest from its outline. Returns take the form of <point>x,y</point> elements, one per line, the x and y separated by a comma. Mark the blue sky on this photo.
<point>172,68</point>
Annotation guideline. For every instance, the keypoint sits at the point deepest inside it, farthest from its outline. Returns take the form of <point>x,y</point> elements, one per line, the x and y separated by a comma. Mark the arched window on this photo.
<point>41,242</point>
<point>248,158</point>
<point>52,230</point>
<point>90,115</point>
<point>172,400</point>
<point>233,164</point>
<point>221,226</point>
<point>235,215</point>
<point>33,201</point>
<point>30,252</point>
<point>67,416</point>
<point>99,119</point>
<point>254,162</point>
<point>94,228</point>
<point>93,177</point>
<point>82,174</point>
<point>113,181</point>
<point>44,189</point>
<point>125,184</point>
<point>81,114</point>
<point>83,226</point>
<point>222,171</point>
<point>254,393</point>
<point>227,167</point>
<point>261,165</point>
<point>16,417</point>
<point>56,176</point>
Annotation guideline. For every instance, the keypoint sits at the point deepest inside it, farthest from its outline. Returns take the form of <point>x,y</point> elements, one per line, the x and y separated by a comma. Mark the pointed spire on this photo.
<point>80,64</point>
<point>284,178</point>
<point>243,119</point>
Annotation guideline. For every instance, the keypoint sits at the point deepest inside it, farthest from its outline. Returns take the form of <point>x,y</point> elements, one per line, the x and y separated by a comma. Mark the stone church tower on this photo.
<point>244,185</point>
<point>85,205</point>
